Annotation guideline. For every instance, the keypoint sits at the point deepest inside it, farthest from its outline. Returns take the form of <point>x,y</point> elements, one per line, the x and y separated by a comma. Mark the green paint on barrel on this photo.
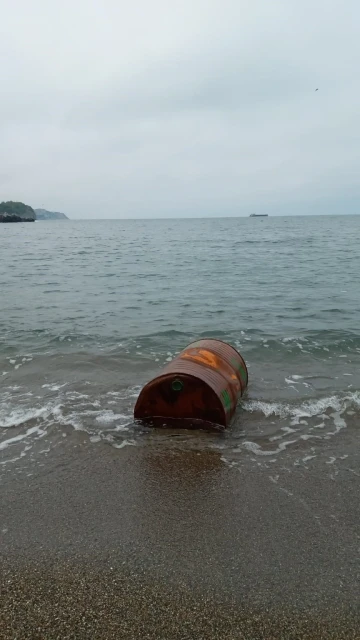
<point>226,400</point>
<point>237,365</point>
<point>243,374</point>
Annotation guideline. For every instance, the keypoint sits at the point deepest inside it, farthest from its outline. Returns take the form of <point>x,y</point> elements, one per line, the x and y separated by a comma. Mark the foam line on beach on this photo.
<point>307,409</point>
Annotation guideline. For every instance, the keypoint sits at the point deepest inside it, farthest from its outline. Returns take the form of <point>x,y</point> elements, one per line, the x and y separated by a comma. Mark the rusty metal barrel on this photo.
<point>200,388</point>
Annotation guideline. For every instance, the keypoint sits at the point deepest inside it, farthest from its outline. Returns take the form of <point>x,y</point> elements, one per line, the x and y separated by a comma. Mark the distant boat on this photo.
<point>259,215</point>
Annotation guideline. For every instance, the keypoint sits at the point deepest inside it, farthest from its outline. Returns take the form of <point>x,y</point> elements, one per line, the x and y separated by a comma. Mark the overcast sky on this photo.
<point>158,108</point>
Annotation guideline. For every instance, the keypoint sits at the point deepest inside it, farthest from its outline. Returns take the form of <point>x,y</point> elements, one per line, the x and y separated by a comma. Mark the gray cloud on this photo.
<point>203,108</point>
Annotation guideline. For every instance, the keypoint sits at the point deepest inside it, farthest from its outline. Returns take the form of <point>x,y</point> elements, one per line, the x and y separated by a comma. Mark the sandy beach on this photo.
<point>136,543</point>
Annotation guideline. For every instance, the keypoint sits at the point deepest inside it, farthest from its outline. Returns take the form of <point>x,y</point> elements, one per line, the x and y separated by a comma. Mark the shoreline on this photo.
<point>106,543</point>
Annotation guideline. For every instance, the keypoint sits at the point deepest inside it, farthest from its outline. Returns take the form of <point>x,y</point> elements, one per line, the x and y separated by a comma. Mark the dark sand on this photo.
<point>137,543</point>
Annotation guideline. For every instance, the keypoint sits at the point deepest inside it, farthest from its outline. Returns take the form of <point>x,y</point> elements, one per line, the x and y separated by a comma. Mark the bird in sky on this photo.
<point>316,89</point>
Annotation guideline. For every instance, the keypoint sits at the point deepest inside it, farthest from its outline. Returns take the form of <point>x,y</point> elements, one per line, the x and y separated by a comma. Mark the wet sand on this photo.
<point>137,543</point>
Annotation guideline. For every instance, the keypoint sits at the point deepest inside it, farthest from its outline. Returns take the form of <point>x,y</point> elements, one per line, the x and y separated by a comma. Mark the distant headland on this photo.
<point>43,214</point>
<point>19,212</point>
